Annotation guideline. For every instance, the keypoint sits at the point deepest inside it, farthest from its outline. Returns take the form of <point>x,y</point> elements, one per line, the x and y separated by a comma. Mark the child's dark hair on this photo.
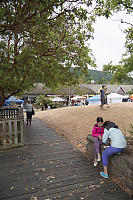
<point>99,119</point>
<point>106,123</point>
<point>109,124</point>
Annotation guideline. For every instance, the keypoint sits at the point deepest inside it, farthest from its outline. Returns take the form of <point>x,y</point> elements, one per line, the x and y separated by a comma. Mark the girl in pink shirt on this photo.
<point>97,133</point>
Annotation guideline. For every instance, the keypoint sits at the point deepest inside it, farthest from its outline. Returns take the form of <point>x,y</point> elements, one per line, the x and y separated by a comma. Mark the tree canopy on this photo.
<point>42,39</point>
<point>123,71</point>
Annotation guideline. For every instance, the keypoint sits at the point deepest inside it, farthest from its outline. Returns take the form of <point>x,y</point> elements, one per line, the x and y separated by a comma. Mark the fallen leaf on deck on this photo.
<point>41,169</point>
<point>34,198</point>
<point>44,189</point>
<point>50,177</point>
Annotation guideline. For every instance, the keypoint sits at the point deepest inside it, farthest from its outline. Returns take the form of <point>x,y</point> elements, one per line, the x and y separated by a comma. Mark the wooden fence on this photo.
<point>11,128</point>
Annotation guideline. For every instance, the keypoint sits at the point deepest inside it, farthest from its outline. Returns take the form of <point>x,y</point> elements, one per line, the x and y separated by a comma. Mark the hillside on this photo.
<point>101,77</point>
<point>97,76</point>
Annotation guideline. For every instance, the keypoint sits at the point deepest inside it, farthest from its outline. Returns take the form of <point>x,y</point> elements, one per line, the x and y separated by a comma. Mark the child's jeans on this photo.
<point>108,152</point>
<point>96,146</point>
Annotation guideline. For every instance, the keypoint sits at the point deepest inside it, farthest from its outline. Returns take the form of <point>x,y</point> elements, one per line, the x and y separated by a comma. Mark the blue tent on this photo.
<point>19,101</point>
<point>10,100</point>
<point>13,99</point>
<point>94,98</point>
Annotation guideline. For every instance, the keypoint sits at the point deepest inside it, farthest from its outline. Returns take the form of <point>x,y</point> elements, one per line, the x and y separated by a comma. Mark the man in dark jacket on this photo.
<point>102,96</point>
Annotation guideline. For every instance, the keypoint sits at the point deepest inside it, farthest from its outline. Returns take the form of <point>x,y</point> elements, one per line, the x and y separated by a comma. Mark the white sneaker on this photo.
<point>105,146</point>
<point>99,159</point>
<point>95,163</point>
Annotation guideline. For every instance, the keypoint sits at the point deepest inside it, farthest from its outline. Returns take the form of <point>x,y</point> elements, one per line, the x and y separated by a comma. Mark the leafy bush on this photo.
<point>41,100</point>
<point>131,129</point>
<point>56,105</point>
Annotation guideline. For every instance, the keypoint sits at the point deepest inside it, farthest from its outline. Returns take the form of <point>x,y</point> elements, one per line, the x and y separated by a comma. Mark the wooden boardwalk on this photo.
<point>48,168</point>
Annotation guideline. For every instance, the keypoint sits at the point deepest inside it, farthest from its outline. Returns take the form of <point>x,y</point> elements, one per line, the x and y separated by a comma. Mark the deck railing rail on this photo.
<point>11,128</point>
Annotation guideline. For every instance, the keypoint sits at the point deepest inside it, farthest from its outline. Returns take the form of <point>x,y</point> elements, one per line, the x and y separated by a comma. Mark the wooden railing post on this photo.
<point>11,128</point>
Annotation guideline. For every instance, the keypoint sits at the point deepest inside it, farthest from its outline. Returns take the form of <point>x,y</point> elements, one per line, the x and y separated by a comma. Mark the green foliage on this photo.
<point>107,7</point>
<point>41,100</point>
<point>131,129</point>
<point>123,72</point>
<point>119,73</point>
<point>130,92</point>
<point>127,60</point>
<point>41,40</point>
<point>99,77</point>
<point>56,105</point>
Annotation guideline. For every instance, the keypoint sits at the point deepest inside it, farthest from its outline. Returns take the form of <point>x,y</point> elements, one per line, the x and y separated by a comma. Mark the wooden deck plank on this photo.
<point>73,192</point>
<point>53,189</point>
<point>49,167</point>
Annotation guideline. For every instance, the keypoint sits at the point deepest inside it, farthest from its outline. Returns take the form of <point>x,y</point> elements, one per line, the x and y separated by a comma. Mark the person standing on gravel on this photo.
<point>106,99</point>
<point>102,96</point>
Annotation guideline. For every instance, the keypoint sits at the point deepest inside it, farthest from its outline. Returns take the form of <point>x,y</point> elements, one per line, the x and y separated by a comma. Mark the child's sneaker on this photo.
<point>95,163</point>
<point>105,146</point>
<point>99,158</point>
<point>104,175</point>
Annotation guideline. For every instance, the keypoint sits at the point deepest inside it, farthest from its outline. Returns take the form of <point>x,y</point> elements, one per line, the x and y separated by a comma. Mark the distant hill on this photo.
<point>100,77</point>
<point>97,76</point>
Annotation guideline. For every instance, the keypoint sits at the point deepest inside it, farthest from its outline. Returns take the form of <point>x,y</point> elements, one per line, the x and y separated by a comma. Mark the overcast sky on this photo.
<point>109,39</point>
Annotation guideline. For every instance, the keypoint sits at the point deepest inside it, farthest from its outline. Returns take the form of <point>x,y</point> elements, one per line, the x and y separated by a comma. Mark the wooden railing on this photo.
<point>11,112</point>
<point>11,128</point>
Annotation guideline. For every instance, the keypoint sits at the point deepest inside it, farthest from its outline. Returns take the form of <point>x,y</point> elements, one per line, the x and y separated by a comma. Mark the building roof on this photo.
<point>111,88</point>
<point>40,89</point>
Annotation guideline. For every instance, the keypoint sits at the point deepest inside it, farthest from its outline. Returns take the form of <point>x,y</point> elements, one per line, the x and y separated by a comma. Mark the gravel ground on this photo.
<point>76,122</point>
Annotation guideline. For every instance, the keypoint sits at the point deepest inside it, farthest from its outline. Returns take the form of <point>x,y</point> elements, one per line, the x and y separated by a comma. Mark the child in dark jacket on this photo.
<point>97,133</point>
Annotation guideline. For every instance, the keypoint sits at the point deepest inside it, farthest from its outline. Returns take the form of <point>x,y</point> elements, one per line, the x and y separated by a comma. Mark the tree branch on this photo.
<point>126,6</point>
<point>9,46</point>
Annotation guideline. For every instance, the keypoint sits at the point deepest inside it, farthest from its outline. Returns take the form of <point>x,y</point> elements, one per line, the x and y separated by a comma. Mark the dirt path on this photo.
<point>76,122</point>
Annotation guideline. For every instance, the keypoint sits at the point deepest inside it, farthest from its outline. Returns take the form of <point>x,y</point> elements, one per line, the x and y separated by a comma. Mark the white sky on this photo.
<point>109,39</point>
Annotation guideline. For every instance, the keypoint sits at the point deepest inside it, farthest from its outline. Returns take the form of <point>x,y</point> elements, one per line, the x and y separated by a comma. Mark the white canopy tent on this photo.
<point>112,98</point>
<point>78,98</point>
<point>58,99</point>
<point>116,98</point>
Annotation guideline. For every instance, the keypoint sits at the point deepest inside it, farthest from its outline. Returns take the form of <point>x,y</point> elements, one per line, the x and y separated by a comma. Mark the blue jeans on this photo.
<point>108,152</point>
